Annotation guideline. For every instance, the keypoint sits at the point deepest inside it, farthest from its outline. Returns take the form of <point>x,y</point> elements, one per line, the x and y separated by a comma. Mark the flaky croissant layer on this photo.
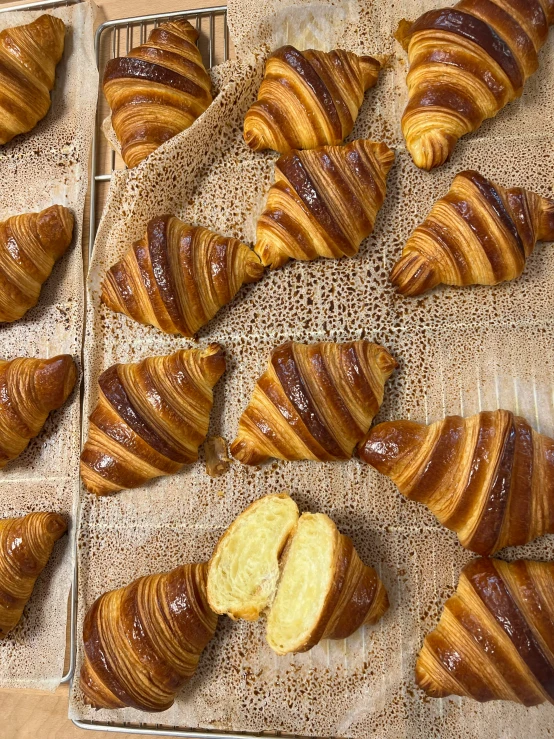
<point>495,638</point>
<point>143,642</point>
<point>489,477</point>
<point>308,99</point>
<point>466,64</point>
<point>178,276</point>
<point>478,234</point>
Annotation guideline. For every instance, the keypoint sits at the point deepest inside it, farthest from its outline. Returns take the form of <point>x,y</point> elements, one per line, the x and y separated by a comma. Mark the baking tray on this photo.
<point>114,38</point>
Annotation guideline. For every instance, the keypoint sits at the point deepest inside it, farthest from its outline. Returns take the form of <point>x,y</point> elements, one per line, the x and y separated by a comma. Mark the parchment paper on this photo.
<point>459,351</point>
<point>45,166</point>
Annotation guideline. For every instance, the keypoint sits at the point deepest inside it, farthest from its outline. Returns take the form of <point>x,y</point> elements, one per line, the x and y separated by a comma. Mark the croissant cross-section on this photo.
<point>489,477</point>
<point>478,234</point>
<point>178,276</point>
<point>150,418</point>
<point>495,638</point>
<point>308,98</point>
<point>466,64</point>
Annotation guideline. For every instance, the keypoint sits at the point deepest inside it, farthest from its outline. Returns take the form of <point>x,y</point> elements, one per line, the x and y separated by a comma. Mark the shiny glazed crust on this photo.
<point>489,477</point>
<point>324,202</point>
<point>28,58</point>
<point>25,547</point>
<point>308,99</point>
<point>466,64</point>
<point>478,234</point>
<point>315,401</point>
<point>495,638</point>
<point>30,245</point>
<point>29,390</point>
<point>178,276</point>
<point>150,418</point>
<point>158,90</point>
<point>144,641</point>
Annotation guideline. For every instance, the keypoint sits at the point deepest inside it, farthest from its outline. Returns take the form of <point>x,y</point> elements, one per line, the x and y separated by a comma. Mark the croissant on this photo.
<point>28,58</point>
<point>25,547</point>
<point>314,401</point>
<point>324,202</point>
<point>489,477</point>
<point>143,642</point>
<point>158,90</point>
<point>478,234</point>
<point>308,98</point>
<point>495,638</point>
<point>466,64</point>
<point>319,589</point>
<point>29,390</point>
<point>179,276</point>
<point>150,418</point>
<point>30,244</point>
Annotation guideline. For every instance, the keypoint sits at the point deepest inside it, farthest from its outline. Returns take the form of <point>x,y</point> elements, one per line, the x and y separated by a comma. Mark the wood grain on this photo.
<point>29,714</point>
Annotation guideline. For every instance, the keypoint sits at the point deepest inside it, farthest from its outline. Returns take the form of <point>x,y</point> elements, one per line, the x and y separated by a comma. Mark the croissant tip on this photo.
<point>413,275</point>
<point>245,453</point>
<point>56,525</point>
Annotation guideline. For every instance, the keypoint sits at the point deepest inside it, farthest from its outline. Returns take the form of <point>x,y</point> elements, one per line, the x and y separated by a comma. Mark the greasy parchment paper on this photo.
<point>50,165</point>
<point>459,351</point>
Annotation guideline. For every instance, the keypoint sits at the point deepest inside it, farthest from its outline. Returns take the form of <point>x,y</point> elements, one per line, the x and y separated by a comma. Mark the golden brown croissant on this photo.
<point>320,589</point>
<point>308,98</point>
<point>314,401</point>
<point>324,202</point>
<point>150,418</point>
<point>478,234</point>
<point>158,90</point>
<point>28,58</point>
<point>466,64</point>
<point>489,477</point>
<point>30,244</point>
<point>144,641</point>
<point>495,638</point>
<point>178,276</point>
<point>29,390</point>
<point>25,547</point>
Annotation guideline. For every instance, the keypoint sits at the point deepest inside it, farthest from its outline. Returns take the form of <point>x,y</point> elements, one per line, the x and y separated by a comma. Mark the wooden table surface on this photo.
<point>32,714</point>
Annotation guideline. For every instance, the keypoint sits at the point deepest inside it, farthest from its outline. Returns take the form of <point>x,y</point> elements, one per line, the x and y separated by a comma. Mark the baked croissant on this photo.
<point>314,401</point>
<point>466,64</point>
<point>495,638</point>
<point>28,58</point>
<point>25,548</point>
<point>303,570</point>
<point>29,390</point>
<point>30,245</point>
<point>478,234</point>
<point>308,98</point>
<point>324,202</point>
<point>489,477</point>
<point>178,276</point>
<point>144,641</point>
<point>150,418</point>
<point>158,90</point>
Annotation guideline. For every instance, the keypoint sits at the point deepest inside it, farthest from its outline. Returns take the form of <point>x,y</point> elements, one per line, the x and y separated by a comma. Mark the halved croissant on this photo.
<point>25,547</point>
<point>478,234</point>
<point>144,641</point>
<point>29,390</point>
<point>178,276</point>
<point>320,589</point>
<point>30,245</point>
<point>324,202</point>
<point>308,98</point>
<point>495,638</point>
<point>466,64</point>
<point>158,90</point>
<point>150,418</point>
<point>314,401</point>
<point>489,477</point>
<point>28,58</point>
